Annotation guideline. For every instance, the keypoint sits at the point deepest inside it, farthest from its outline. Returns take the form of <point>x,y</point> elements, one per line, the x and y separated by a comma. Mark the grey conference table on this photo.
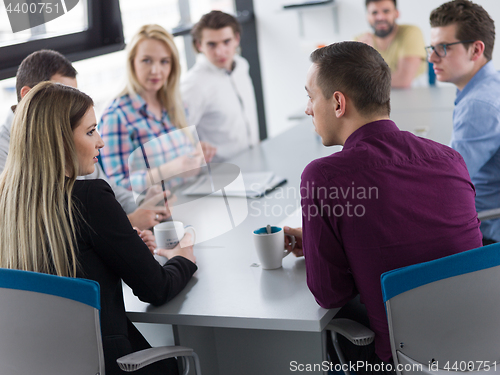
<point>239,318</point>
<point>425,111</point>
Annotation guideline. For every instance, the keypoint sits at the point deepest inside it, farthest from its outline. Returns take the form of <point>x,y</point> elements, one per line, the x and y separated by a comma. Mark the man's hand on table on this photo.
<point>208,150</point>
<point>297,232</point>
<point>149,213</point>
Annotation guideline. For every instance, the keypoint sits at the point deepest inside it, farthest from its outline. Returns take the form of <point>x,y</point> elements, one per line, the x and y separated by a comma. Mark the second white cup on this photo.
<point>271,246</point>
<point>169,233</point>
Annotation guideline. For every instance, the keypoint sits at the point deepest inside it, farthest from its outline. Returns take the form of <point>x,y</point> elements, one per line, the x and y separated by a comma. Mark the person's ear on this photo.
<point>24,91</point>
<point>237,38</point>
<point>198,46</point>
<point>477,50</point>
<point>339,104</point>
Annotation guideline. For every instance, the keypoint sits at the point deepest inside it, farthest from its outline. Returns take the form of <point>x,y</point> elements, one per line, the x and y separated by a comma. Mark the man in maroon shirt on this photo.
<point>387,200</point>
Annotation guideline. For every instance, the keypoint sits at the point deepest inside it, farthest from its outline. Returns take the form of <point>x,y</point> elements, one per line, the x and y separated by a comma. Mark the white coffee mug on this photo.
<point>169,233</point>
<point>271,246</point>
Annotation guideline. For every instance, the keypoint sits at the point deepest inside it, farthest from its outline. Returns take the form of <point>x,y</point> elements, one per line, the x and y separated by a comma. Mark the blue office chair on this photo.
<point>443,314</point>
<point>50,325</point>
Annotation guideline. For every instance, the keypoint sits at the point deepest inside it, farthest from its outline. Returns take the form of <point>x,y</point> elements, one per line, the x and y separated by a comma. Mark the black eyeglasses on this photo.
<point>440,49</point>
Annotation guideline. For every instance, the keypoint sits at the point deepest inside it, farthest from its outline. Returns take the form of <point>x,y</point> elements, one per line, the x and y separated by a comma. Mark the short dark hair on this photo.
<point>214,20</point>
<point>359,72</point>
<point>473,23</point>
<point>375,1</point>
<point>41,66</point>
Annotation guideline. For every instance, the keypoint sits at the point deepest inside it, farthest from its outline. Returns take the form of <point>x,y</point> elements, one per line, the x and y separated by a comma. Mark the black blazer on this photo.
<point>109,251</point>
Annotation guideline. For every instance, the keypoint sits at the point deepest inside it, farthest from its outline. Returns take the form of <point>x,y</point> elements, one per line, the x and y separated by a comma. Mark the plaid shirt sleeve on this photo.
<point>117,146</point>
<point>159,150</point>
<point>124,128</point>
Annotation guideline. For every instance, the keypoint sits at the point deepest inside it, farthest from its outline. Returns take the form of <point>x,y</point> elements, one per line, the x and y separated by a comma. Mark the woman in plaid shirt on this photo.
<point>144,129</point>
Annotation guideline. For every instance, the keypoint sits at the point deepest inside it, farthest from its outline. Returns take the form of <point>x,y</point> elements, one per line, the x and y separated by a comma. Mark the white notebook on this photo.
<point>256,184</point>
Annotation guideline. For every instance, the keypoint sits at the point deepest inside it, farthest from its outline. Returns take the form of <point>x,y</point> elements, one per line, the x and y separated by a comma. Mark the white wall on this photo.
<point>284,54</point>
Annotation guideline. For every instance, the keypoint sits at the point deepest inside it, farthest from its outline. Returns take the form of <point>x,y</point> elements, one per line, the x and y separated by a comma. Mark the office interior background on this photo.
<point>285,39</point>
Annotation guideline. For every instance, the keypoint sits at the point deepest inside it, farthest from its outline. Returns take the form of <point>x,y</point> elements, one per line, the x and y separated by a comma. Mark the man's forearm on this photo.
<point>406,72</point>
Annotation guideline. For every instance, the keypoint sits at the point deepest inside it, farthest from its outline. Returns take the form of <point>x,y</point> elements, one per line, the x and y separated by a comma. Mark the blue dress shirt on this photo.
<point>476,136</point>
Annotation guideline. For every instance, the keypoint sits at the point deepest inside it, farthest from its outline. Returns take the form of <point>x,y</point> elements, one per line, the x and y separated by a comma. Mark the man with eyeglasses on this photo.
<point>462,39</point>
<point>401,46</point>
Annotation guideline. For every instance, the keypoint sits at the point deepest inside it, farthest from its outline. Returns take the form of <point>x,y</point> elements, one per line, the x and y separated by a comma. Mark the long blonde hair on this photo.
<point>170,94</point>
<point>37,223</point>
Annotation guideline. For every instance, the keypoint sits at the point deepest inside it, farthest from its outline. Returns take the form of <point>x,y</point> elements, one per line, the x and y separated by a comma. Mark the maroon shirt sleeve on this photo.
<point>328,274</point>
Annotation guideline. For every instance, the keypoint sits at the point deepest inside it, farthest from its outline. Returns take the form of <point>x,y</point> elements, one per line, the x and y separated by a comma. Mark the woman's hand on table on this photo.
<point>183,166</point>
<point>148,238</point>
<point>297,232</point>
<point>208,150</point>
<point>184,249</point>
<point>191,164</point>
